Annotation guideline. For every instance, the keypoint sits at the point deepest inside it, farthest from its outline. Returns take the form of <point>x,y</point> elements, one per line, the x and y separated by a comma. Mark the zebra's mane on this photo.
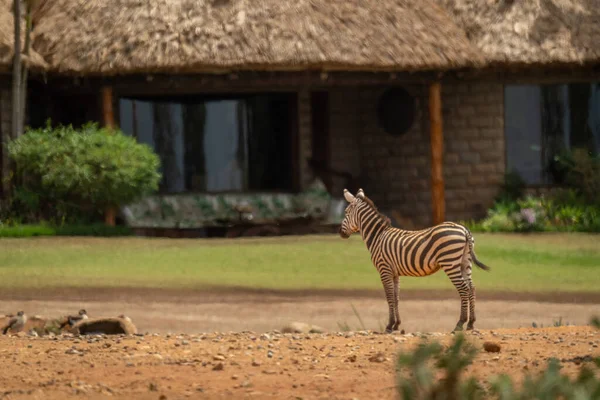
<point>372,205</point>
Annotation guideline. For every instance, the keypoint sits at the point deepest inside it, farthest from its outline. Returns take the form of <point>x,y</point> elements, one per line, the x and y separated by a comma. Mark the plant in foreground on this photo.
<point>431,372</point>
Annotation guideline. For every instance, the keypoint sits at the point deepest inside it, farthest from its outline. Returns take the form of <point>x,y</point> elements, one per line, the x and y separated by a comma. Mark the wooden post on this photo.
<point>437,153</point>
<point>108,117</point>
<point>108,113</point>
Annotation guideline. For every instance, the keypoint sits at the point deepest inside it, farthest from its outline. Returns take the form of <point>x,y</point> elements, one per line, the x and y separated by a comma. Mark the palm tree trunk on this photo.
<point>25,71</point>
<point>16,70</point>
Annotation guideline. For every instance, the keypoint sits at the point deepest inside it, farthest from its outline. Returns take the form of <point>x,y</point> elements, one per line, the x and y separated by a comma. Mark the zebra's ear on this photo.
<point>348,196</point>
<point>360,194</point>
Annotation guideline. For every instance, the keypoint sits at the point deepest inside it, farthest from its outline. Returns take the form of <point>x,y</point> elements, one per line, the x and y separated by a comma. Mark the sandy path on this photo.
<point>331,314</point>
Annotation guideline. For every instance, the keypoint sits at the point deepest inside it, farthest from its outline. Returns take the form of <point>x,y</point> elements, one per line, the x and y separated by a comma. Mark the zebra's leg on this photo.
<point>388,286</point>
<point>396,301</point>
<point>455,274</point>
<point>472,318</point>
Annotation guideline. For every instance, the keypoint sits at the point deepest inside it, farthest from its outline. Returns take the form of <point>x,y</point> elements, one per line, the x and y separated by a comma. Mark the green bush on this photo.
<point>417,380</point>
<point>26,231</point>
<point>418,377</point>
<point>581,171</point>
<point>512,189</point>
<point>576,207</point>
<point>524,215</point>
<point>88,169</point>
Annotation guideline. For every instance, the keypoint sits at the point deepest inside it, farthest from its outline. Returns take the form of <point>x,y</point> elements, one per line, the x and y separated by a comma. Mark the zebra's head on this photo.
<point>350,224</point>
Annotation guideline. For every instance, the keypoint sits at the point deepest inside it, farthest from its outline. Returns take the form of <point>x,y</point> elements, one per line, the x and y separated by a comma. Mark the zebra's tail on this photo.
<point>471,242</point>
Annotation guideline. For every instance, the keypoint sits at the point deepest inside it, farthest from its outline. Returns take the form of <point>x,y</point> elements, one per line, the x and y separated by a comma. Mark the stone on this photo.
<point>491,347</point>
<point>301,327</point>
<point>377,358</point>
<point>219,367</point>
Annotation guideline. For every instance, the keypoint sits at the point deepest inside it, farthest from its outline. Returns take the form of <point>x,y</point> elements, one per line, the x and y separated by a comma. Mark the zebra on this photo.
<point>395,252</point>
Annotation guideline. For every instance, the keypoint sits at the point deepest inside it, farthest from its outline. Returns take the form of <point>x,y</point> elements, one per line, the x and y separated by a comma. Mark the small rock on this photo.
<point>301,327</point>
<point>491,347</point>
<point>218,367</point>
<point>72,351</point>
<point>256,363</point>
<point>265,336</point>
<point>352,358</point>
<point>378,358</point>
<point>219,357</point>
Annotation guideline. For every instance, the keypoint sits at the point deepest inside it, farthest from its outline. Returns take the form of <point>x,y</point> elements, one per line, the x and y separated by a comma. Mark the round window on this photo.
<point>396,111</point>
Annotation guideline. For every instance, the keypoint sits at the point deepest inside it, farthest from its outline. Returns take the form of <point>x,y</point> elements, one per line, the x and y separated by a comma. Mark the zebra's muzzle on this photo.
<point>343,235</point>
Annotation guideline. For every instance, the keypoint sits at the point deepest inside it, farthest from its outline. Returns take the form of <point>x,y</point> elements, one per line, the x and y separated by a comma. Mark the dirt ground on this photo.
<point>203,358</point>
<point>210,310</point>
<point>357,365</point>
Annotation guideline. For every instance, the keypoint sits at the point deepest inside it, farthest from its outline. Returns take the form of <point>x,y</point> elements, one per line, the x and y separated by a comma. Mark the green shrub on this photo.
<point>417,380</point>
<point>26,231</point>
<point>512,189</point>
<point>418,377</point>
<point>88,169</point>
<point>565,210</point>
<point>498,221</point>
<point>574,208</point>
<point>582,172</point>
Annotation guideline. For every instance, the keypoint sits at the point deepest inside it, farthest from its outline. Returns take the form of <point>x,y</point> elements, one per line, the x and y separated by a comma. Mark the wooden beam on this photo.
<point>132,85</point>
<point>108,113</point>
<point>437,151</point>
<point>108,119</point>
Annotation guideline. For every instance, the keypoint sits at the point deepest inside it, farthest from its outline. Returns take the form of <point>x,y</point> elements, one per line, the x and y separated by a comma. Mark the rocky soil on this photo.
<point>345,365</point>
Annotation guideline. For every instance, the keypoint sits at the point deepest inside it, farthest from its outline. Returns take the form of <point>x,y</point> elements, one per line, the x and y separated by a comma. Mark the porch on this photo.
<point>269,135</point>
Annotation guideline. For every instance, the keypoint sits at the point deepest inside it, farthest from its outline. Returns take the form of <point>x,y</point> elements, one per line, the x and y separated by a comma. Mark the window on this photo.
<point>223,144</point>
<point>543,120</point>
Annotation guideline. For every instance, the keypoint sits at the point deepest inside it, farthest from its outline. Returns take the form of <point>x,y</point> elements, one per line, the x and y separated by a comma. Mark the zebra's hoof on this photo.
<point>388,330</point>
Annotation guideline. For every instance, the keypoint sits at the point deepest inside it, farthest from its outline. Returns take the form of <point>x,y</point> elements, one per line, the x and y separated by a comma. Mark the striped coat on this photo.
<point>396,252</point>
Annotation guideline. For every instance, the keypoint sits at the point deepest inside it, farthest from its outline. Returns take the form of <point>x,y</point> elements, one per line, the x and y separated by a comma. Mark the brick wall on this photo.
<point>474,162</point>
<point>395,171</point>
<point>345,129</point>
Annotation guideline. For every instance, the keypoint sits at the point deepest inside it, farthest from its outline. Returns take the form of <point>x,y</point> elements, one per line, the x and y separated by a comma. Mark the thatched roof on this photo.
<point>7,40</point>
<point>531,32</point>
<point>131,36</point>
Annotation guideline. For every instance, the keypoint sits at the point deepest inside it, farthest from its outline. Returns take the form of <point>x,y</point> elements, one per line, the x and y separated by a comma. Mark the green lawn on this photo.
<point>541,262</point>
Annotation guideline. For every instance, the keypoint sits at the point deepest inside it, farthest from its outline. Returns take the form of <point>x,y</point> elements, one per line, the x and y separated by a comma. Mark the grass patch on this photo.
<point>28,231</point>
<point>535,262</point>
